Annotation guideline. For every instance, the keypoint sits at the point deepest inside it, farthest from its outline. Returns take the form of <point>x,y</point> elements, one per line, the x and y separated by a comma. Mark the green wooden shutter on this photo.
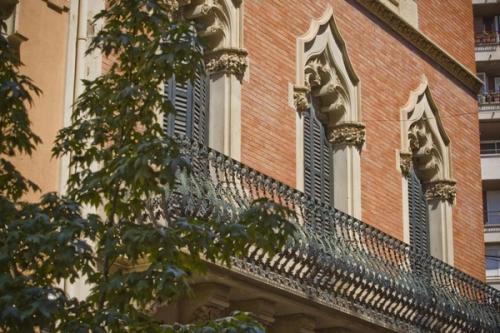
<point>419,220</point>
<point>191,105</point>
<point>318,169</point>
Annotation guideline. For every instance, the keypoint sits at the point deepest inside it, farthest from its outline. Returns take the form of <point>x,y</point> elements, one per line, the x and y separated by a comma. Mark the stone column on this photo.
<point>347,140</point>
<point>440,197</point>
<point>226,68</point>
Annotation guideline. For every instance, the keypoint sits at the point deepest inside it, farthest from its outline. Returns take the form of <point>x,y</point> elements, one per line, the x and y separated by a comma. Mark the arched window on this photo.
<point>429,191</point>
<point>326,97</point>
<point>220,25</point>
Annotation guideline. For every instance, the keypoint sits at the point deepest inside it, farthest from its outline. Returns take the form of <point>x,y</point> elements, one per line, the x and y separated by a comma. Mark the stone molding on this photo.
<point>228,61</point>
<point>352,134</point>
<point>423,43</point>
<point>442,190</point>
<point>58,5</point>
<point>300,100</point>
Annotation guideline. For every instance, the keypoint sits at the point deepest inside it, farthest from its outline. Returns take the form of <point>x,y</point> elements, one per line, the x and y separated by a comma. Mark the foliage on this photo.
<point>120,159</point>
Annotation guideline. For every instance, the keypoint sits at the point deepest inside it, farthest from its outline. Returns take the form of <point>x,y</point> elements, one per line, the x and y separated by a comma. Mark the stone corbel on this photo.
<point>210,302</point>
<point>262,309</point>
<point>443,190</point>
<point>300,100</point>
<point>351,134</point>
<point>228,61</point>
<point>405,162</point>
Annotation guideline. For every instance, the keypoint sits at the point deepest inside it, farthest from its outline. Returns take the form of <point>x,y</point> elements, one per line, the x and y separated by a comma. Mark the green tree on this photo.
<point>120,159</point>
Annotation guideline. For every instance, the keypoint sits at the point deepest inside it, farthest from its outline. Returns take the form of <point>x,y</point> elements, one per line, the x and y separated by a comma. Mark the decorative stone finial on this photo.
<point>405,162</point>
<point>229,61</point>
<point>300,98</point>
<point>348,134</point>
<point>445,190</point>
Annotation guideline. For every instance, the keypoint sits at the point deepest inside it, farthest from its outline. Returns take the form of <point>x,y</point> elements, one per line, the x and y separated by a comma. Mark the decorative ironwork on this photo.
<point>337,259</point>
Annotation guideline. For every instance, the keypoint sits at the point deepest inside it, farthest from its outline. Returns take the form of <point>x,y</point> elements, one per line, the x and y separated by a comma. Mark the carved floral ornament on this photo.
<point>352,134</point>
<point>229,61</point>
<point>445,190</point>
<point>324,83</point>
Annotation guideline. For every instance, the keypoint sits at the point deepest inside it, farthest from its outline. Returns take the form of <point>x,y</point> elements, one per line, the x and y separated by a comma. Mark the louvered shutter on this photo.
<point>419,220</point>
<point>191,105</point>
<point>318,169</point>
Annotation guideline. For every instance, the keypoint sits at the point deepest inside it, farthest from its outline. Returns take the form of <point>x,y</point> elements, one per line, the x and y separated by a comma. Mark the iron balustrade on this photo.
<point>335,259</point>
<point>487,38</point>
<point>490,147</point>
<point>487,98</point>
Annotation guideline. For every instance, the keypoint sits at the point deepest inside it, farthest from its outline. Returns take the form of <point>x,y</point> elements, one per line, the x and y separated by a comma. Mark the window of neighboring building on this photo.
<point>191,108</point>
<point>482,76</point>
<point>493,207</point>
<point>318,168</point>
<point>492,261</point>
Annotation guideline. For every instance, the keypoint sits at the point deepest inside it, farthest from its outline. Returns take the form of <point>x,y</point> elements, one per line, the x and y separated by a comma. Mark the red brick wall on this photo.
<point>452,28</point>
<point>389,69</point>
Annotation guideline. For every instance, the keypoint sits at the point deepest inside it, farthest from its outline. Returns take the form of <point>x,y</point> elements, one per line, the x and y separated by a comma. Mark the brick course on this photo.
<point>389,69</point>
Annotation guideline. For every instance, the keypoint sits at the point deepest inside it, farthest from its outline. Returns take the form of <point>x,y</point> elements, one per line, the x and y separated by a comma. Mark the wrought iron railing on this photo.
<point>489,98</point>
<point>489,147</point>
<point>337,259</point>
<point>487,38</point>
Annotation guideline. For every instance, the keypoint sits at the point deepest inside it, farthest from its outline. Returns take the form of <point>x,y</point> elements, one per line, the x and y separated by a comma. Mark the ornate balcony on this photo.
<point>336,260</point>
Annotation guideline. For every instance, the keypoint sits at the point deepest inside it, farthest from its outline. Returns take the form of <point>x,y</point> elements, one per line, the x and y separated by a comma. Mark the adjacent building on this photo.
<point>487,35</point>
<point>360,115</point>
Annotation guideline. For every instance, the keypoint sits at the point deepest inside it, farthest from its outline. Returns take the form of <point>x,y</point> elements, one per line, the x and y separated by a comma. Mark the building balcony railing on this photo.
<point>490,147</point>
<point>487,41</point>
<point>336,258</point>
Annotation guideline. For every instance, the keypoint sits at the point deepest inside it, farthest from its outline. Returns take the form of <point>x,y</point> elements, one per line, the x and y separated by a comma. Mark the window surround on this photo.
<point>426,147</point>
<point>226,63</point>
<point>324,72</point>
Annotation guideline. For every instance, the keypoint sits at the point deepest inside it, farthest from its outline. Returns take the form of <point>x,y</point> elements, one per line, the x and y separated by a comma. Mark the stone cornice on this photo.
<point>352,134</point>
<point>423,43</point>
<point>229,61</point>
<point>445,190</point>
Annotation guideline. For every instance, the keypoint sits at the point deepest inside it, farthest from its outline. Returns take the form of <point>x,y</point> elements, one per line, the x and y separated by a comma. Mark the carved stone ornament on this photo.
<point>423,43</point>
<point>426,155</point>
<point>208,312</point>
<point>300,100</point>
<point>445,190</point>
<point>352,134</point>
<point>405,162</point>
<point>322,79</point>
<point>229,61</point>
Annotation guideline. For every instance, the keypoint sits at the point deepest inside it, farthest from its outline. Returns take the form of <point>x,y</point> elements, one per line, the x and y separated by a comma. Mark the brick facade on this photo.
<point>388,68</point>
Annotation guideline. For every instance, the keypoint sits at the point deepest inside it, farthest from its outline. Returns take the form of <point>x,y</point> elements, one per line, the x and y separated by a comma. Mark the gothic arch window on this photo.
<point>327,84</point>
<point>219,23</point>
<point>428,189</point>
